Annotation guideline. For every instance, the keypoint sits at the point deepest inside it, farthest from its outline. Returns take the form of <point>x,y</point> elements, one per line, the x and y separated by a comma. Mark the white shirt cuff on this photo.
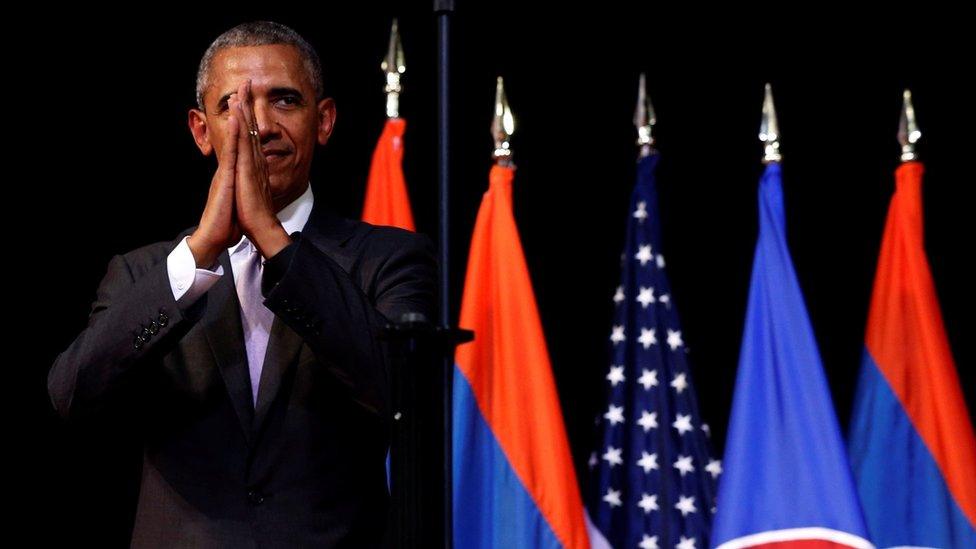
<point>186,280</point>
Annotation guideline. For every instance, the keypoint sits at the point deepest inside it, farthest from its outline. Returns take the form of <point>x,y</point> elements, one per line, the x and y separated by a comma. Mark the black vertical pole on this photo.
<point>443,10</point>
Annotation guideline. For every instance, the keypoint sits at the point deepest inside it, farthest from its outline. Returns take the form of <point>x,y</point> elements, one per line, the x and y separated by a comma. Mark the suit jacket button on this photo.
<point>254,497</point>
<point>163,318</point>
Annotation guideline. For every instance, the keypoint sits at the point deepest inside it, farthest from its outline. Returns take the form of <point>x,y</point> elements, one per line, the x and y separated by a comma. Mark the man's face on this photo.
<point>290,121</point>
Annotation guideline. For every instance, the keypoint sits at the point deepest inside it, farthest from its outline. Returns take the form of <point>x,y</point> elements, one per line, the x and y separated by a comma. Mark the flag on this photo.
<point>652,481</point>
<point>387,202</point>
<point>514,482</point>
<point>911,442</point>
<point>788,480</point>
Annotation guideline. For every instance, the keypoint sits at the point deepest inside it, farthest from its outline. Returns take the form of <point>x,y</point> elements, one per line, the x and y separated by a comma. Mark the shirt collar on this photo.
<point>292,217</point>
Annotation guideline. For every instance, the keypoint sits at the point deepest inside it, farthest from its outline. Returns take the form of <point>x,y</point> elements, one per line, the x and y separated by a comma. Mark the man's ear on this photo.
<point>197,120</point>
<point>326,119</point>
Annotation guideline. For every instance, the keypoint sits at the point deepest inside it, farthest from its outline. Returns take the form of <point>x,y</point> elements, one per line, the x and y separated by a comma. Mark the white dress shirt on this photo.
<point>190,282</point>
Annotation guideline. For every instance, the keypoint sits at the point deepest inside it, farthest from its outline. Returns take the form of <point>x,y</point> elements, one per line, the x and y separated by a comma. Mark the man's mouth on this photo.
<point>273,155</point>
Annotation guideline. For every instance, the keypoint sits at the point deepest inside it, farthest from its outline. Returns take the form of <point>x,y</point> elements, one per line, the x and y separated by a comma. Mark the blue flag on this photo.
<point>652,480</point>
<point>789,479</point>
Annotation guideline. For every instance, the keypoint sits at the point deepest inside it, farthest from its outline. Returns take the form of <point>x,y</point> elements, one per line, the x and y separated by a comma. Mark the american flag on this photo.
<point>652,479</point>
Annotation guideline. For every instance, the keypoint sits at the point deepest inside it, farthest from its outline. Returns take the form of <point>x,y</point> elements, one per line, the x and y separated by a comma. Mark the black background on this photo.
<point>108,164</point>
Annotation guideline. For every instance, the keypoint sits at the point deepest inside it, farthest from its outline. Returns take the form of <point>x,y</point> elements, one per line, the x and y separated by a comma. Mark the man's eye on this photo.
<point>289,101</point>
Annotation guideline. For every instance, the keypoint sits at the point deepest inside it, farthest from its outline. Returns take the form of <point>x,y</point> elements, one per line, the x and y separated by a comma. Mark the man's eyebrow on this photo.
<point>284,91</point>
<point>224,98</point>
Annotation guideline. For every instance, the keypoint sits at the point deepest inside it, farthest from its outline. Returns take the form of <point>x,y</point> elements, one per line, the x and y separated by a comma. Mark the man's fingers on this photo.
<point>252,124</point>
<point>245,157</point>
<point>258,161</point>
<point>232,130</point>
<point>230,150</point>
<point>253,191</point>
<point>244,92</point>
<point>247,107</point>
<point>227,163</point>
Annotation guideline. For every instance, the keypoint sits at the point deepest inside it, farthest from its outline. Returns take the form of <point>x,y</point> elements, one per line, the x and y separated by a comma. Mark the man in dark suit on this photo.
<point>249,345</point>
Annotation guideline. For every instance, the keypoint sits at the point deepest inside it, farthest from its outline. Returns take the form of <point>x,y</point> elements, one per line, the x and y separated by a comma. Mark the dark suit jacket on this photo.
<point>305,467</point>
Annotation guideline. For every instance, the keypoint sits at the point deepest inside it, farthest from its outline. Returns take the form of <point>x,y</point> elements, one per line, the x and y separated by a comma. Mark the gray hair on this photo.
<point>260,33</point>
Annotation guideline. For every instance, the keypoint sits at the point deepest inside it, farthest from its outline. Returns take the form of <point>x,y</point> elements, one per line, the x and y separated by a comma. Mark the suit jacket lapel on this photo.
<point>327,231</point>
<point>226,337</point>
<point>283,347</point>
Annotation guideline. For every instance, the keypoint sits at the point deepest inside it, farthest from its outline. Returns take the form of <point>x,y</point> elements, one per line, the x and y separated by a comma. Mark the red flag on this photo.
<point>514,482</point>
<point>387,202</point>
<point>912,447</point>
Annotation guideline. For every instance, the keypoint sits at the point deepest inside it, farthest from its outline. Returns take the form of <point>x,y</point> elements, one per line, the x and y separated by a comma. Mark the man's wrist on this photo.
<point>276,265</point>
<point>201,257</point>
<point>271,240</point>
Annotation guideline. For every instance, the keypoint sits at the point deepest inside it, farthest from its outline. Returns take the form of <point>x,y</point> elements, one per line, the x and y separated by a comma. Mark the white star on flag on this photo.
<point>615,414</point>
<point>647,462</point>
<point>707,430</point>
<point>644,254</point>
<point>681,422</point>
<point>648,542</point>
<point>648,503</point>
<point>666,299</point>
<point>646,296</point>
<point>613,497</point>
<point>714,467</point>
<point>641,213</point>
<point>618,335</point>
<point>686,543</point>
<point>616,375</point>
<point>648,420</point>
<point>660,261</point>
<point>648,379</point>
<point>647,337</point>
<point>613,456</point>
<point>683,464</point>
<point>674,339</point>
<point>686,505</point>
<point>680,383</point>
<point>594,461</point>
<point>619,295</point>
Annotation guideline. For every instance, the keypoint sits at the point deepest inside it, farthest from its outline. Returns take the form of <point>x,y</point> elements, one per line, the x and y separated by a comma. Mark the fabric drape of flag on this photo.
<point>652,482</point>
<point>787,476</point>
<point>387,202</point>
<point>911,441</point>
<point>514,482</point>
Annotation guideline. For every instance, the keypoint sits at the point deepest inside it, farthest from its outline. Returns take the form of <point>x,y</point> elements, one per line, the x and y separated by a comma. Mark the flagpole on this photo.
<point>502,127</point>
<point>444,9</point>
<point>644,119</point>
<point>769,129</point>
<point>422,375</point>
<point>908,132</point>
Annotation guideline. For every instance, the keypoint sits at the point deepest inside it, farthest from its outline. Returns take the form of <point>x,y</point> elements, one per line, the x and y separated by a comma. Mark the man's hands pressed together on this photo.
<point>255,204</point>
<point>240,200</point>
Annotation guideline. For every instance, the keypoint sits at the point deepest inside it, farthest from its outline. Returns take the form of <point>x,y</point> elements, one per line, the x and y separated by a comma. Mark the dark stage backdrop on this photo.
<point>111,166</point>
